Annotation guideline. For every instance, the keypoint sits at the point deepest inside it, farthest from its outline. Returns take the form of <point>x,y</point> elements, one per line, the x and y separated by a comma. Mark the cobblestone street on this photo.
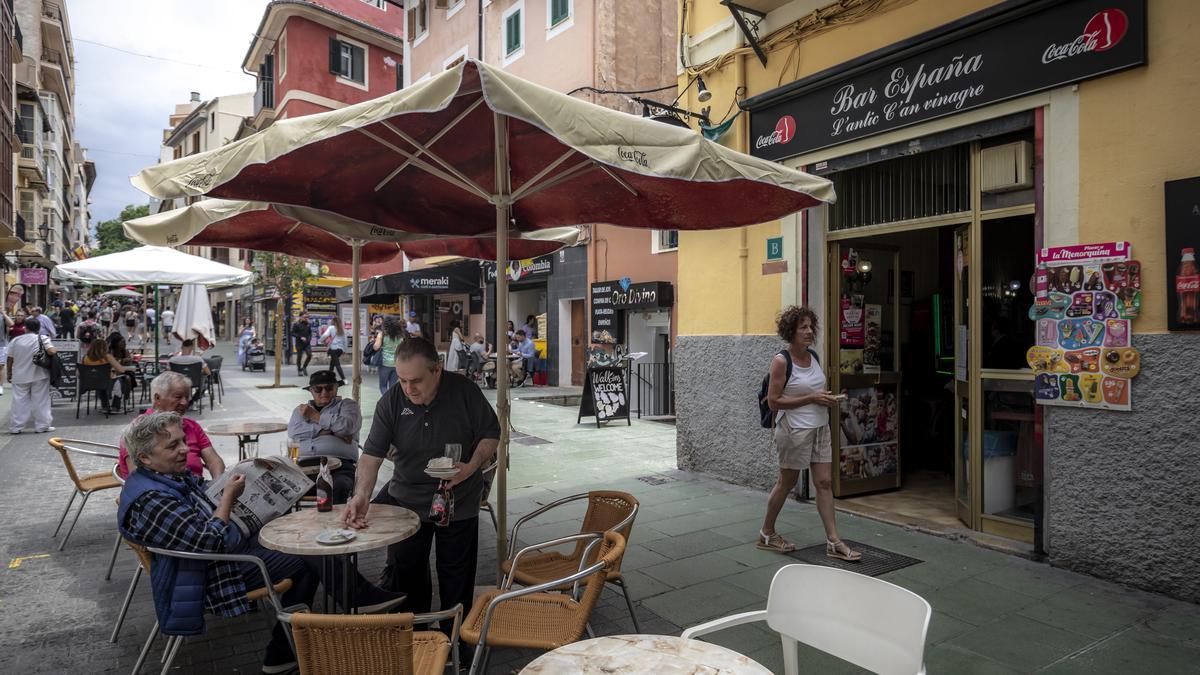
<point>691,558</point>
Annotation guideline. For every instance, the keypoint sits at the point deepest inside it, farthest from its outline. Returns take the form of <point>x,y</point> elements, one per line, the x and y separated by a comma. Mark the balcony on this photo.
<point>54,30</point>
<point>56,77</point>
<point>32,165</point>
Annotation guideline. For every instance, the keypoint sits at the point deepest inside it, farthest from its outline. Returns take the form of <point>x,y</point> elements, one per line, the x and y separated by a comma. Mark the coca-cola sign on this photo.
<point>1000,53</point>
<point>1183,242</point>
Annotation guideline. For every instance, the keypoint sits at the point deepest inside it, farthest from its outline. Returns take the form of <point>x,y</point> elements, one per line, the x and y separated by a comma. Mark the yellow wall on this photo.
<point>1138,129</point>
<point>711,279</point>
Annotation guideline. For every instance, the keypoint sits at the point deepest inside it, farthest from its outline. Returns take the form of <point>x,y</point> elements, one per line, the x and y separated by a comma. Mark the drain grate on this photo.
<point>656,479</point>
<point>875,561</point>
<point>526,439</point>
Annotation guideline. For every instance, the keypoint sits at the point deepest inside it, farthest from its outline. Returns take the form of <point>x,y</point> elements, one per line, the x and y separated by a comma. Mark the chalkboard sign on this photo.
<point>604,396</point>
<point>68,352</point>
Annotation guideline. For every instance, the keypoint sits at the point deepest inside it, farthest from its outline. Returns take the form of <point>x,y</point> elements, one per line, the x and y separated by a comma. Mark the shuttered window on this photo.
<point>512,33</point>
<point>347,60</point>
<point>560,10</point>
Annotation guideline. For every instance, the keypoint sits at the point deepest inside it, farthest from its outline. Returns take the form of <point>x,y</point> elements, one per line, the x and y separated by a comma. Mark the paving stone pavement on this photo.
<point>691,558</point>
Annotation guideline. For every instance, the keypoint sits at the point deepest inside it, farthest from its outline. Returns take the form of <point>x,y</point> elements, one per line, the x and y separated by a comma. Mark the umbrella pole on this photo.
<point>501,348</point>
<point>356,353</point>
<point>157,323</point>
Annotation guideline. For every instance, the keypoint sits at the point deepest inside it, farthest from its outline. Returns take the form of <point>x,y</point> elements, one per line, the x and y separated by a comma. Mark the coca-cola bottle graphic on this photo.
<point>1187,288</point>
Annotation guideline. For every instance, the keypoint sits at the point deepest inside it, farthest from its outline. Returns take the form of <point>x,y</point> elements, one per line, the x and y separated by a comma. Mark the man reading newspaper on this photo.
<point>166,506</point>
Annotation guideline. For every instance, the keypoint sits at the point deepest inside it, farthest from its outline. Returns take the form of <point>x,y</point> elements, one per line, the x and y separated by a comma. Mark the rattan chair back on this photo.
<point>64,452</point>
<point>142,554</point>
<point>328,644</point>
<point>606,509</point>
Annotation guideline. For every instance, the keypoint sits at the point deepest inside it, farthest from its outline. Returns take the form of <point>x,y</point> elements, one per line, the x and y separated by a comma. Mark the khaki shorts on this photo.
<point>800,447</point>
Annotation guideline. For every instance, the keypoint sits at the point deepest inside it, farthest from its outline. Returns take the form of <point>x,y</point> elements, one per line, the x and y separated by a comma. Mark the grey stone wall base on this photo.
<point>1123,488</point>
<point>716,386</point>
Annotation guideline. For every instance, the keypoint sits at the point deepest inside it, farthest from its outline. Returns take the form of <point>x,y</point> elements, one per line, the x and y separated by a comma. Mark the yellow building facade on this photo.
<point>963,138</point>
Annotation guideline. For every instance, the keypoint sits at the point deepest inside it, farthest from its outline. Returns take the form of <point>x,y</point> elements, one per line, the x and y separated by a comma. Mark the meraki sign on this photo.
<point>1011,50</point>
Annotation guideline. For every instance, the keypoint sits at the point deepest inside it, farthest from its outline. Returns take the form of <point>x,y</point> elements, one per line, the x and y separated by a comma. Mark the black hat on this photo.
<point>324,377</point>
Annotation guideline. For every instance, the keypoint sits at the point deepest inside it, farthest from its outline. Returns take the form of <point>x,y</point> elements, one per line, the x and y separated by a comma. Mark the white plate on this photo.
<point>336,536</point>
<point>441,473</point>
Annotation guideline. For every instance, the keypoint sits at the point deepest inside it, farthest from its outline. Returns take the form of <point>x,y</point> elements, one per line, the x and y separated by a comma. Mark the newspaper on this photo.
<point>273,486</point>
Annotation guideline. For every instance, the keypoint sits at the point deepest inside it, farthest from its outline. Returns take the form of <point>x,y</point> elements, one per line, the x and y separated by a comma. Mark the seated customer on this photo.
<point>187,356</point>
<point>170,391</point>
<point>163,505</point>
<point>98,355</point>
<point>328,425</point>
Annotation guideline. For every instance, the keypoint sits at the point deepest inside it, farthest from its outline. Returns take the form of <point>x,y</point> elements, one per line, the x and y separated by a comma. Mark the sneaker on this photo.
<point>375,600</point>
<point>42,431</point>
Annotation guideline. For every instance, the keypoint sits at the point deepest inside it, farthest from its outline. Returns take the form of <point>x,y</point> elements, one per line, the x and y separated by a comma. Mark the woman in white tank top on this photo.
<point>801,402</point>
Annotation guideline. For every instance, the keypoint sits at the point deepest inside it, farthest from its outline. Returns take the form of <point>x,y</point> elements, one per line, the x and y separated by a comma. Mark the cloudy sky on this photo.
<point>135,60</point>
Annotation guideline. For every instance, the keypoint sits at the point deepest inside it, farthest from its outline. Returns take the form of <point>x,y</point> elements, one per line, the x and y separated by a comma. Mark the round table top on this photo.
<point>662,654</point>
<point>296,532</point>
<point>244,428</point>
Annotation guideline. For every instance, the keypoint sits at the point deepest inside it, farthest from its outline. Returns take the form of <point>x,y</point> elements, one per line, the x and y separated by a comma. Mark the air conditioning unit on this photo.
<point>1006,167</point>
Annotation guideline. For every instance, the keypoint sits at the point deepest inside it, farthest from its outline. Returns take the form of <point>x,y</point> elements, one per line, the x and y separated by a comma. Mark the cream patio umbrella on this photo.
<point>320,235</point>
<point>474,149</point>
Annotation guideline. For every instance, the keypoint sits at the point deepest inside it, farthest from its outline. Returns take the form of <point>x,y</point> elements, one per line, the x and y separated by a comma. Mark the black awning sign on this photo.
<point>997,59</point>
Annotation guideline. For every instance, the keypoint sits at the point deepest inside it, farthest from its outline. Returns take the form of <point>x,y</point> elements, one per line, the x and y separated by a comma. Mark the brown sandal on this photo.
<point>838,549</point>
<point>774,542</point>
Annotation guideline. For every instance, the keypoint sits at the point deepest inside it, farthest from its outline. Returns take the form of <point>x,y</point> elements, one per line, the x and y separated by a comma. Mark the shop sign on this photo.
<point>607,326</point>
<point>448,279</point>
<point>517,270</point>
<point>1183,242</point>
<point>996,58</point>
<point>1087,297</point>
<point>389,308</point>
<point>34,276</point>
<point>774,248</point>
<point>604,395</point>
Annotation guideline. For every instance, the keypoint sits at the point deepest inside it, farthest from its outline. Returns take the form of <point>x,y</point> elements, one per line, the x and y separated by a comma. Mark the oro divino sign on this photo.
<point>984,59</point>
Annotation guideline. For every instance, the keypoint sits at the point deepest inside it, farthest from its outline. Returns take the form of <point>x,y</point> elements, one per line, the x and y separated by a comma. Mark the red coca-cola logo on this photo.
<point>1188,284</point>
<point>1108,27</point>
<point>785,130</point>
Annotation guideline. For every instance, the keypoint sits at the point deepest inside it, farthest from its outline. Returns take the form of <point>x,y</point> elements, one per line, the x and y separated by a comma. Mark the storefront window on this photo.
<point>1012,458</point>
<point>1007,269</point>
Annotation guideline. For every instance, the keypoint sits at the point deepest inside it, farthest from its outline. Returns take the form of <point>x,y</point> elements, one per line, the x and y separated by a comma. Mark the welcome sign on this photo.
<point>981,60</point>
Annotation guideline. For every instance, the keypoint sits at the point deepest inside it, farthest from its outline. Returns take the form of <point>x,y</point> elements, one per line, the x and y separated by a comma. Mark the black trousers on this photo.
<point>457,555</point>
<point>335,362</point>
<point>306,352</point>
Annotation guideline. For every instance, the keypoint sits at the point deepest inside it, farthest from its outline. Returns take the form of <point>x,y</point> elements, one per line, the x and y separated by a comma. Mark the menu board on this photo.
<point>604,395</point>
<point>1085,300</point>
<point>68,353</point>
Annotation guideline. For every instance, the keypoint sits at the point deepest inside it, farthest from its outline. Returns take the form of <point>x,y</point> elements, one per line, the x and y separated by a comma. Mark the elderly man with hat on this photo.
<point>328,425</point>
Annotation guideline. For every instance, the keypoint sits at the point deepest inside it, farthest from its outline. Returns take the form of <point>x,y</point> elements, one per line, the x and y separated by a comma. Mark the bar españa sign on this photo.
<point>965,65</point>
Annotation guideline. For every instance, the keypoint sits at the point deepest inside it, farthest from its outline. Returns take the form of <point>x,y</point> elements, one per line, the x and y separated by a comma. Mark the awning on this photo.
<point>461,277</point>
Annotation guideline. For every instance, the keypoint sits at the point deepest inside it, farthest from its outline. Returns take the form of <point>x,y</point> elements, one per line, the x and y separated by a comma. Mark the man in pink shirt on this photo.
<point>171,392</point>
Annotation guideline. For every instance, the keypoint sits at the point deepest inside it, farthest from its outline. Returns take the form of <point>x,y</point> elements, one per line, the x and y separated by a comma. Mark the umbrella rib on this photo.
<point>454,122</point>
<point>434,156</point>
<point>576,170</point>
<point>532,182</point>
<point>621,181</point>
<point>429,168</point>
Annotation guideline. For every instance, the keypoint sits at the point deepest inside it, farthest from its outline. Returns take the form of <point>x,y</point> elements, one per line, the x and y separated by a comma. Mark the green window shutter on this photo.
<point>335,56</point>
<point>559,11</point>
<point>512,33</point>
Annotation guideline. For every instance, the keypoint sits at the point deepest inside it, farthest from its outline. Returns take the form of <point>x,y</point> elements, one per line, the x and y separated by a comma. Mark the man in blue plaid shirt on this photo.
<point>164,505</point>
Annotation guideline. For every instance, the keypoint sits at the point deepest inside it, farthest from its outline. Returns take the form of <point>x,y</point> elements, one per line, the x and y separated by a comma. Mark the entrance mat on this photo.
<point>656,479</point>
<point>875,561</point>
<point>526,439</point>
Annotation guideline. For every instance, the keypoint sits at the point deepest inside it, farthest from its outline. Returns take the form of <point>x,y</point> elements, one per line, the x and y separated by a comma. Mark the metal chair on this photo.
<point>269,591</point>
<point>86,484</point>
<point>484,505</point>
<point>112,560</point>
<point>869,622</point>
<point>380,643</point>
<point>93,381</point>
<point>214,369</point>
<point>535,618</point>
<point>195,373</point>
<point>606,511</point>
<point>143,557</point>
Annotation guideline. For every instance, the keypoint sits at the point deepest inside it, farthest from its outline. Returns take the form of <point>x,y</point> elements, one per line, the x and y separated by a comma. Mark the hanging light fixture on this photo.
<point>704,94</point>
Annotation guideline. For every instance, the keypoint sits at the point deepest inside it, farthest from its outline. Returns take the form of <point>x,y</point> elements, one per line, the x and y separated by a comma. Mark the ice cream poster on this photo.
<point>1087,297</point>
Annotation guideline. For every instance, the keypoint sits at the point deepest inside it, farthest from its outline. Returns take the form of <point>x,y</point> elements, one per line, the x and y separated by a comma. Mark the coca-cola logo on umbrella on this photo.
<point>1101,33</point>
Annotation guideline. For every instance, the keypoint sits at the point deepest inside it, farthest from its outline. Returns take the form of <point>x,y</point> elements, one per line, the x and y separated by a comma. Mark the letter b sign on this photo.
<point>775,248</point>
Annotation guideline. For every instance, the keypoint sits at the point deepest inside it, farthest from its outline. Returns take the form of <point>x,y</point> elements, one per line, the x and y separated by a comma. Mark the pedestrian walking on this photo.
<point>66,320</point>
<point>30,382</point>
<point>5,326</point>
<point>150,319</point>
<point>455,360</point>
<point>334,338</point>
<point>168,322</point>
<point>245,337</point>
<point>302,335</point>
<point>106,317</point>
<point>800,404</point>
<point>386,342</point>
<point>45,324</point>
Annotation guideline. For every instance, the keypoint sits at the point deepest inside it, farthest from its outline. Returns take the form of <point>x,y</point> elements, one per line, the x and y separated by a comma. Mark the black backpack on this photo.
<point>766,416</point>
<point>87,334</point>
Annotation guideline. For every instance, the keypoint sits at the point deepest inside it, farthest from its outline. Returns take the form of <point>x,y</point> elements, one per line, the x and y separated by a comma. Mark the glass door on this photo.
<point>864,365</point>
<point>962,375</point>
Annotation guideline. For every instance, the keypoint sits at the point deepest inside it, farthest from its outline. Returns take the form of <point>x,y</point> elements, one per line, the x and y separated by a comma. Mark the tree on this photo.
<point>284,274</point>
<point>110,234</point>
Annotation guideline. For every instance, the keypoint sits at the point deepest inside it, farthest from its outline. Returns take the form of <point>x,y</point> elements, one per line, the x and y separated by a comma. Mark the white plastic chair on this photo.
<point>867,621</point>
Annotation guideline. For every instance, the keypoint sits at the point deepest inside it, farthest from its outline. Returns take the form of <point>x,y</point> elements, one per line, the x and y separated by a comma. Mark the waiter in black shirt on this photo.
<point>430,409</point>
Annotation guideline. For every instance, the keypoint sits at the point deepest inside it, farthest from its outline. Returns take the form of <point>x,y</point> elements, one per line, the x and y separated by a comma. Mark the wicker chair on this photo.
<point>607,510</point>
<point>535,618</point>
<point>269,592</point>
<point>85,484</point>
<point>328,644</point>
<point>143,557</point>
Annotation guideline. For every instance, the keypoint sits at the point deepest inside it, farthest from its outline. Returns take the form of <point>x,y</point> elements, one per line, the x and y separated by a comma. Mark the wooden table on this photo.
<point>247,433</point>
<point>296,533</point>
<point>661,654</point>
